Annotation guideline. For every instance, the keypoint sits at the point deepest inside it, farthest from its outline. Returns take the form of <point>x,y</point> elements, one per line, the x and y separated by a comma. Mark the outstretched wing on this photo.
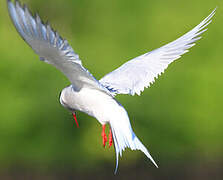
<point>50,47</point>
<point>136,74</point>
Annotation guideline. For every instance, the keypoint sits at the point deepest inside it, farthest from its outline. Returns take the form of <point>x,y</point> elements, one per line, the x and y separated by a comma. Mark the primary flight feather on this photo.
<point>96,98</point>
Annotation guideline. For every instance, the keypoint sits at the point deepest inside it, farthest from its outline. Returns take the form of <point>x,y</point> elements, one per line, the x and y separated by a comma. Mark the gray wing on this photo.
<point>136,74</point>
<point>50,47</point>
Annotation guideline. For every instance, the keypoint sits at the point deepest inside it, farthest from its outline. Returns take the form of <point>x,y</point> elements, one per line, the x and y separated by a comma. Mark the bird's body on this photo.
<point>97,98</point>
<point>107,110</point>
<point>90,101</point>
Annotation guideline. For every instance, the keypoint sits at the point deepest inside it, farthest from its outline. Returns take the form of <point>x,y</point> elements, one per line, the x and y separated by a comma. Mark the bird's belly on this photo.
<point>95,103</point>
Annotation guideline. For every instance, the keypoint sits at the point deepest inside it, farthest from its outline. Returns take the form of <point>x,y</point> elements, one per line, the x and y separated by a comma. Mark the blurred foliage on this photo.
<point>179,118</point>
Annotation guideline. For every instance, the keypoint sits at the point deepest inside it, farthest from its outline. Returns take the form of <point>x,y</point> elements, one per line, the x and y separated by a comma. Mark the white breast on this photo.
<point>91,101</point>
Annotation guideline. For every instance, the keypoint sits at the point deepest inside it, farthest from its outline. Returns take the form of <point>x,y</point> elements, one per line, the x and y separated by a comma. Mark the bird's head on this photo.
<point>61,98</point>
<point>64,101</point>
<point>64,98</point>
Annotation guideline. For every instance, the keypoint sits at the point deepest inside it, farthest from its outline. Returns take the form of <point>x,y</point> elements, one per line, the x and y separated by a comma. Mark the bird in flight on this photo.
<point>97,97</point>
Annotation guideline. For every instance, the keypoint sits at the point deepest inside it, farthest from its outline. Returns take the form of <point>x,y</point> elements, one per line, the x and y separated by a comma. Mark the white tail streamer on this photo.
<point>124,137</point>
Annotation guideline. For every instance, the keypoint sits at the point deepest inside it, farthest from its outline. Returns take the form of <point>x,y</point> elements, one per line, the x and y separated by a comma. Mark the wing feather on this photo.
<point>50,46</point>
<point>140,72</point>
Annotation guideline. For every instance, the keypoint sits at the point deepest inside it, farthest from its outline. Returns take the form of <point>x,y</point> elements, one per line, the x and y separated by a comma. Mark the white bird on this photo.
<point>97,98</point>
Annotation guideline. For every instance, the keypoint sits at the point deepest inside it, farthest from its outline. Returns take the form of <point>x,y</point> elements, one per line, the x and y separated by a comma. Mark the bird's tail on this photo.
<point>124,137</point>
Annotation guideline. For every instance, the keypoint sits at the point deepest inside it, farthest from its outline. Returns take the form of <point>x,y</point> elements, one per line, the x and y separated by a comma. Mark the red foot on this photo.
<point>75,118</point>
<point>104,137</point>
<point>110,138</point>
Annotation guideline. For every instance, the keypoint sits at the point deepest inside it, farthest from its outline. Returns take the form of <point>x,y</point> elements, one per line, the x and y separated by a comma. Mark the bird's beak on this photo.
<point>75,118</point>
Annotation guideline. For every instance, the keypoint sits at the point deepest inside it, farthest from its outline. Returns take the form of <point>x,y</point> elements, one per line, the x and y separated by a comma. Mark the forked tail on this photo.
<point>124,137</point>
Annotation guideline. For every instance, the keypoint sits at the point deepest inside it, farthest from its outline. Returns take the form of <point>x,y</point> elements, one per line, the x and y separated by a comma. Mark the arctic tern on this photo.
<point>97,98</point>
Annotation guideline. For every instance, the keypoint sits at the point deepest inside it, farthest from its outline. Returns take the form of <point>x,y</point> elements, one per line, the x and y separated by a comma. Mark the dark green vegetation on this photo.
<point>179,118</point>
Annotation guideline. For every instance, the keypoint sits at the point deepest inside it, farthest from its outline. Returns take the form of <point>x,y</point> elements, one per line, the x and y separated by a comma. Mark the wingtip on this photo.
<point>213,12</point>
<point>17,3</point>
<point>215,8</point>
<point>9,2</point>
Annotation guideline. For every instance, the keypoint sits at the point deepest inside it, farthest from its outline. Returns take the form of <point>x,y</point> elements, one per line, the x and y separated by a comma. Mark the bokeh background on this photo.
<point>179,118</point>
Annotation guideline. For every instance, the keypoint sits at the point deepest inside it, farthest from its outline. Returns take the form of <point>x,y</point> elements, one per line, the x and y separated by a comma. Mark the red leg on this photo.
<point>104,137</point>
<point>110,138</point>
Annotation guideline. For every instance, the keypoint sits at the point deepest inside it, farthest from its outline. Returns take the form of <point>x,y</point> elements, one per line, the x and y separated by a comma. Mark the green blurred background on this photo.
<point>179,118</point>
